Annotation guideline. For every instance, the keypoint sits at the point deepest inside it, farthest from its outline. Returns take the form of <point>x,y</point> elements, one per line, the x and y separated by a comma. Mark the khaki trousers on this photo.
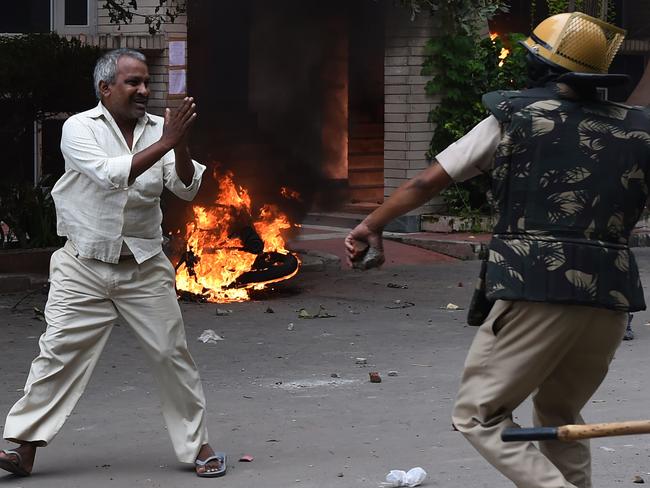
<point>560,352</point>
<point>83,304</point>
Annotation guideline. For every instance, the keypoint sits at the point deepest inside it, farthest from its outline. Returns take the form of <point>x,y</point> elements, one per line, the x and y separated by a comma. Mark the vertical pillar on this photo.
<point>407,131</point>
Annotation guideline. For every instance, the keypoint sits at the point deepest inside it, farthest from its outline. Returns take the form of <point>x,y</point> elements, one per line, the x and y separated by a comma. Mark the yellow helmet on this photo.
<point>576,42</point>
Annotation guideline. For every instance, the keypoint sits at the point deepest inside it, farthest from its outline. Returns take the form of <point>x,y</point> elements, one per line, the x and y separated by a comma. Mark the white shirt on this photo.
<point>473,153</point>
<point>97,209</point>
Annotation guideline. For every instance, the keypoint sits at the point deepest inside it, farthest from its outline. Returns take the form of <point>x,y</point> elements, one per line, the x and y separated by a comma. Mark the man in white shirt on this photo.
<point>117,159</point>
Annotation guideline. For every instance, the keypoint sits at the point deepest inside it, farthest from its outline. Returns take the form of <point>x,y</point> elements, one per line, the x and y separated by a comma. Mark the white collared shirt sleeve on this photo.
<point>472,154</point>
<point>84,154</point>
<point>174,184</point>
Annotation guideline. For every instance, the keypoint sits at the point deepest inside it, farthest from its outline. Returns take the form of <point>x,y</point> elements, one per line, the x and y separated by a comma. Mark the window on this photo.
<point>63,16</point>
<point>25,16</point>
<point>76,12</point>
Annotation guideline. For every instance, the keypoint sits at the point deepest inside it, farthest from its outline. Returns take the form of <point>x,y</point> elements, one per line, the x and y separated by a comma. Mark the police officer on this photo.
<point>569,179</point>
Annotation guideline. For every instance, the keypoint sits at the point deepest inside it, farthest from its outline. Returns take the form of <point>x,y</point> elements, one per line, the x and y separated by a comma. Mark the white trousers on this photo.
<point>83,304</point>
<point>559,353</point>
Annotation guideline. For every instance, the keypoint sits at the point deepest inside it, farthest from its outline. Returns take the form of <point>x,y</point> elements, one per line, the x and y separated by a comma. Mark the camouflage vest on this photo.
<point>570,181</point>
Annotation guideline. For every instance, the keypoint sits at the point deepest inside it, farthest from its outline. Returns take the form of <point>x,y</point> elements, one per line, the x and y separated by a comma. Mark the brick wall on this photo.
<point>406,130</point>
<point>136,36</point>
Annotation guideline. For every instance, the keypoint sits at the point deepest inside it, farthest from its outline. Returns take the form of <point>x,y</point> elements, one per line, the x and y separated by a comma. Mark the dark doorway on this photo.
<point>284,87</point>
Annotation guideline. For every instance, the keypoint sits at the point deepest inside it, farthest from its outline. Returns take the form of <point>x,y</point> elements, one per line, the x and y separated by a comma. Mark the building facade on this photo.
<point>330,92</point>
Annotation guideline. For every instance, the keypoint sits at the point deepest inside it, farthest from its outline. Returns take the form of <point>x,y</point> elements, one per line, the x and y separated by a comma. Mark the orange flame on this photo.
<point>503,55</point>
<point>221,259</point>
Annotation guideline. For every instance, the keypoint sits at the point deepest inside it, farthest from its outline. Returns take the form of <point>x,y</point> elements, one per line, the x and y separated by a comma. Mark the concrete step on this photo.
<point>463,246</point>
<point>26,261</point>
<point>367,193</point>
<point>15,282</point>
<point>343,220</point>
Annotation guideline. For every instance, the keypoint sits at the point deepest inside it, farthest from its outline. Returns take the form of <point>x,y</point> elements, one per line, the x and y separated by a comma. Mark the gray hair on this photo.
<point>106,67</point>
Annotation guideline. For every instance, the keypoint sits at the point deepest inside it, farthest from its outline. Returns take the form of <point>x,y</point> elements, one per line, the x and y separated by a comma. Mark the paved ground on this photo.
<point>271,393</point>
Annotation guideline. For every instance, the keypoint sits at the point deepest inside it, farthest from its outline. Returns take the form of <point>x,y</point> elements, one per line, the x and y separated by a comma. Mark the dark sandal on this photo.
<point>11,466</point>
<point>219,456</point>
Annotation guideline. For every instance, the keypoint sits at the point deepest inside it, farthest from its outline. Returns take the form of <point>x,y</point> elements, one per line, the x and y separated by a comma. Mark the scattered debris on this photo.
<point>361,361</point>
<point>290,326</point>
<point>335,375</point>
<point>340,475</point>
<point>638,479</point>
<point>269,310</point>
<point>392,373</point>
<point>39,314</point>
<point>401,304</point>
<point>460,284</point>
<point>374,377</point>
<point>209,337</point>
<point>246,458</point>
<point>607,449</point>
<point>397,478</point>
<point>221,312</point>
<point>321,314</point>
<point>395,285</point>
<point>312,383</point>
<point>452,306</point>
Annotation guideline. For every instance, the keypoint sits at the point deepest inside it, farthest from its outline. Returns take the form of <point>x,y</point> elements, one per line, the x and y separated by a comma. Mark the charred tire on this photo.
<point>267,267</point>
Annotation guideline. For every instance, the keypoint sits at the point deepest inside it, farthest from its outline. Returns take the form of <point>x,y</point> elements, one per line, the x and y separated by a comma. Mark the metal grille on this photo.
<point>582,31</point>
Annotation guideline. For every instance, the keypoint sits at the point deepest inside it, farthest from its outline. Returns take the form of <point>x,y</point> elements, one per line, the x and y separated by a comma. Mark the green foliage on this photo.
<point>463,70</point>
<point>29,213</point>
<point>458,197</point>
<point>45,74</point>
<point>123,11</point>
<point>464,17</point>
<point>560,6</point>
<point>40,75</point>
<point>464,67</point>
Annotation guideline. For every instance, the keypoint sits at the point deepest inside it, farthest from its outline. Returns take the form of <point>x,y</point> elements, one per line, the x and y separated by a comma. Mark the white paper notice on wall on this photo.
<point>177,82</point>
<point>177,53</point>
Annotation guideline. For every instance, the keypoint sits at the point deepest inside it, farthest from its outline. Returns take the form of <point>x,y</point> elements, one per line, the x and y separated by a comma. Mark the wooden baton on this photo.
<point>576,432</point>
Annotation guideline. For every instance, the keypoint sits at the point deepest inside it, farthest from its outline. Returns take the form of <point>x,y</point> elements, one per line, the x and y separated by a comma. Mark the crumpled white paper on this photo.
<point>397,478</point>
<point>209,337</point>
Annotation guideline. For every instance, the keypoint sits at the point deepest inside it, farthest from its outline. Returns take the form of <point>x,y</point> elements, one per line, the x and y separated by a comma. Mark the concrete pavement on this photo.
<point>271,392</point>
